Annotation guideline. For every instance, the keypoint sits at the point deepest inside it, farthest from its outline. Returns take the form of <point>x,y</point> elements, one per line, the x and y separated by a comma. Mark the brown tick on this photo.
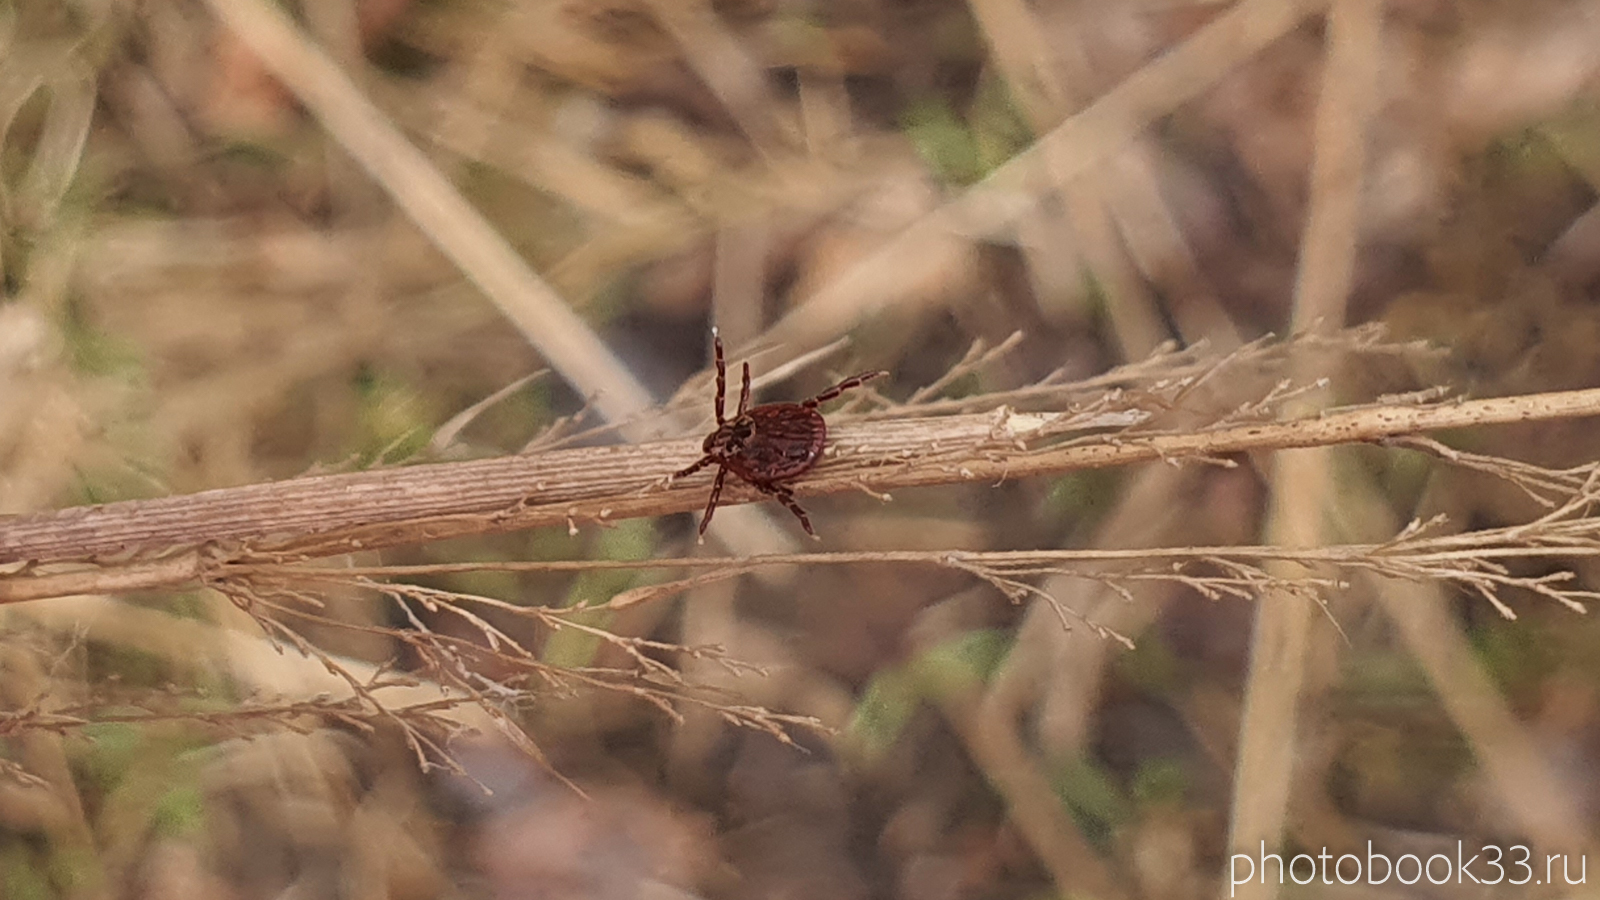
<point>768,446</point>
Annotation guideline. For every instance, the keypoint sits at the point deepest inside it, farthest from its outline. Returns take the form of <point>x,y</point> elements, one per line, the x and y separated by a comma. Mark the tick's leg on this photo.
<point>744,391</point>
<point>854,381</point>
<point>786,497</point>
<point>701,464</point>
<point>722,373</point>
<point>711,505</point>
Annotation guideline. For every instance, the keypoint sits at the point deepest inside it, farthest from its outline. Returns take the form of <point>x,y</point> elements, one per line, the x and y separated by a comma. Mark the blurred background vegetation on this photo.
<point>202,289</point>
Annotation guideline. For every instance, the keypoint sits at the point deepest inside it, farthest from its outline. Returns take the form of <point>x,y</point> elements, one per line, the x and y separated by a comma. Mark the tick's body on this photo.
<point>769,445</point>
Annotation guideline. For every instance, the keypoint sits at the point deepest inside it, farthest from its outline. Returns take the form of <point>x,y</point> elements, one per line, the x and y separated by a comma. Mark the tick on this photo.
<point>767,446</point>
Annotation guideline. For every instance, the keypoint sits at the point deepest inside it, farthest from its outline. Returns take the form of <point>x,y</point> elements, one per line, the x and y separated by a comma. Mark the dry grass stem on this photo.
<point>154,542</point>
<point>1484,562</point>
<point>1303,488</point>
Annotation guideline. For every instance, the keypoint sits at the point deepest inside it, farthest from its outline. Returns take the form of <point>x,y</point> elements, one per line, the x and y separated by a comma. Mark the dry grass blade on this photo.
<point>60,144</point>
<point>438,209</point>
<point>1072,149</point>
<point>446,434</point>
<point>977,357</point>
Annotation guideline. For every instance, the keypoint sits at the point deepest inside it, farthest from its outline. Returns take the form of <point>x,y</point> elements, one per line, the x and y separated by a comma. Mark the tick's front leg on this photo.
<point>784,495</point>
<point>701,464</point>
<point>711,504</point>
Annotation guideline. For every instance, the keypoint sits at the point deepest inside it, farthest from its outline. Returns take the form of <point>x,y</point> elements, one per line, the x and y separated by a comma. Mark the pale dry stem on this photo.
<point>329,515</point>
<point>1091,425</point>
